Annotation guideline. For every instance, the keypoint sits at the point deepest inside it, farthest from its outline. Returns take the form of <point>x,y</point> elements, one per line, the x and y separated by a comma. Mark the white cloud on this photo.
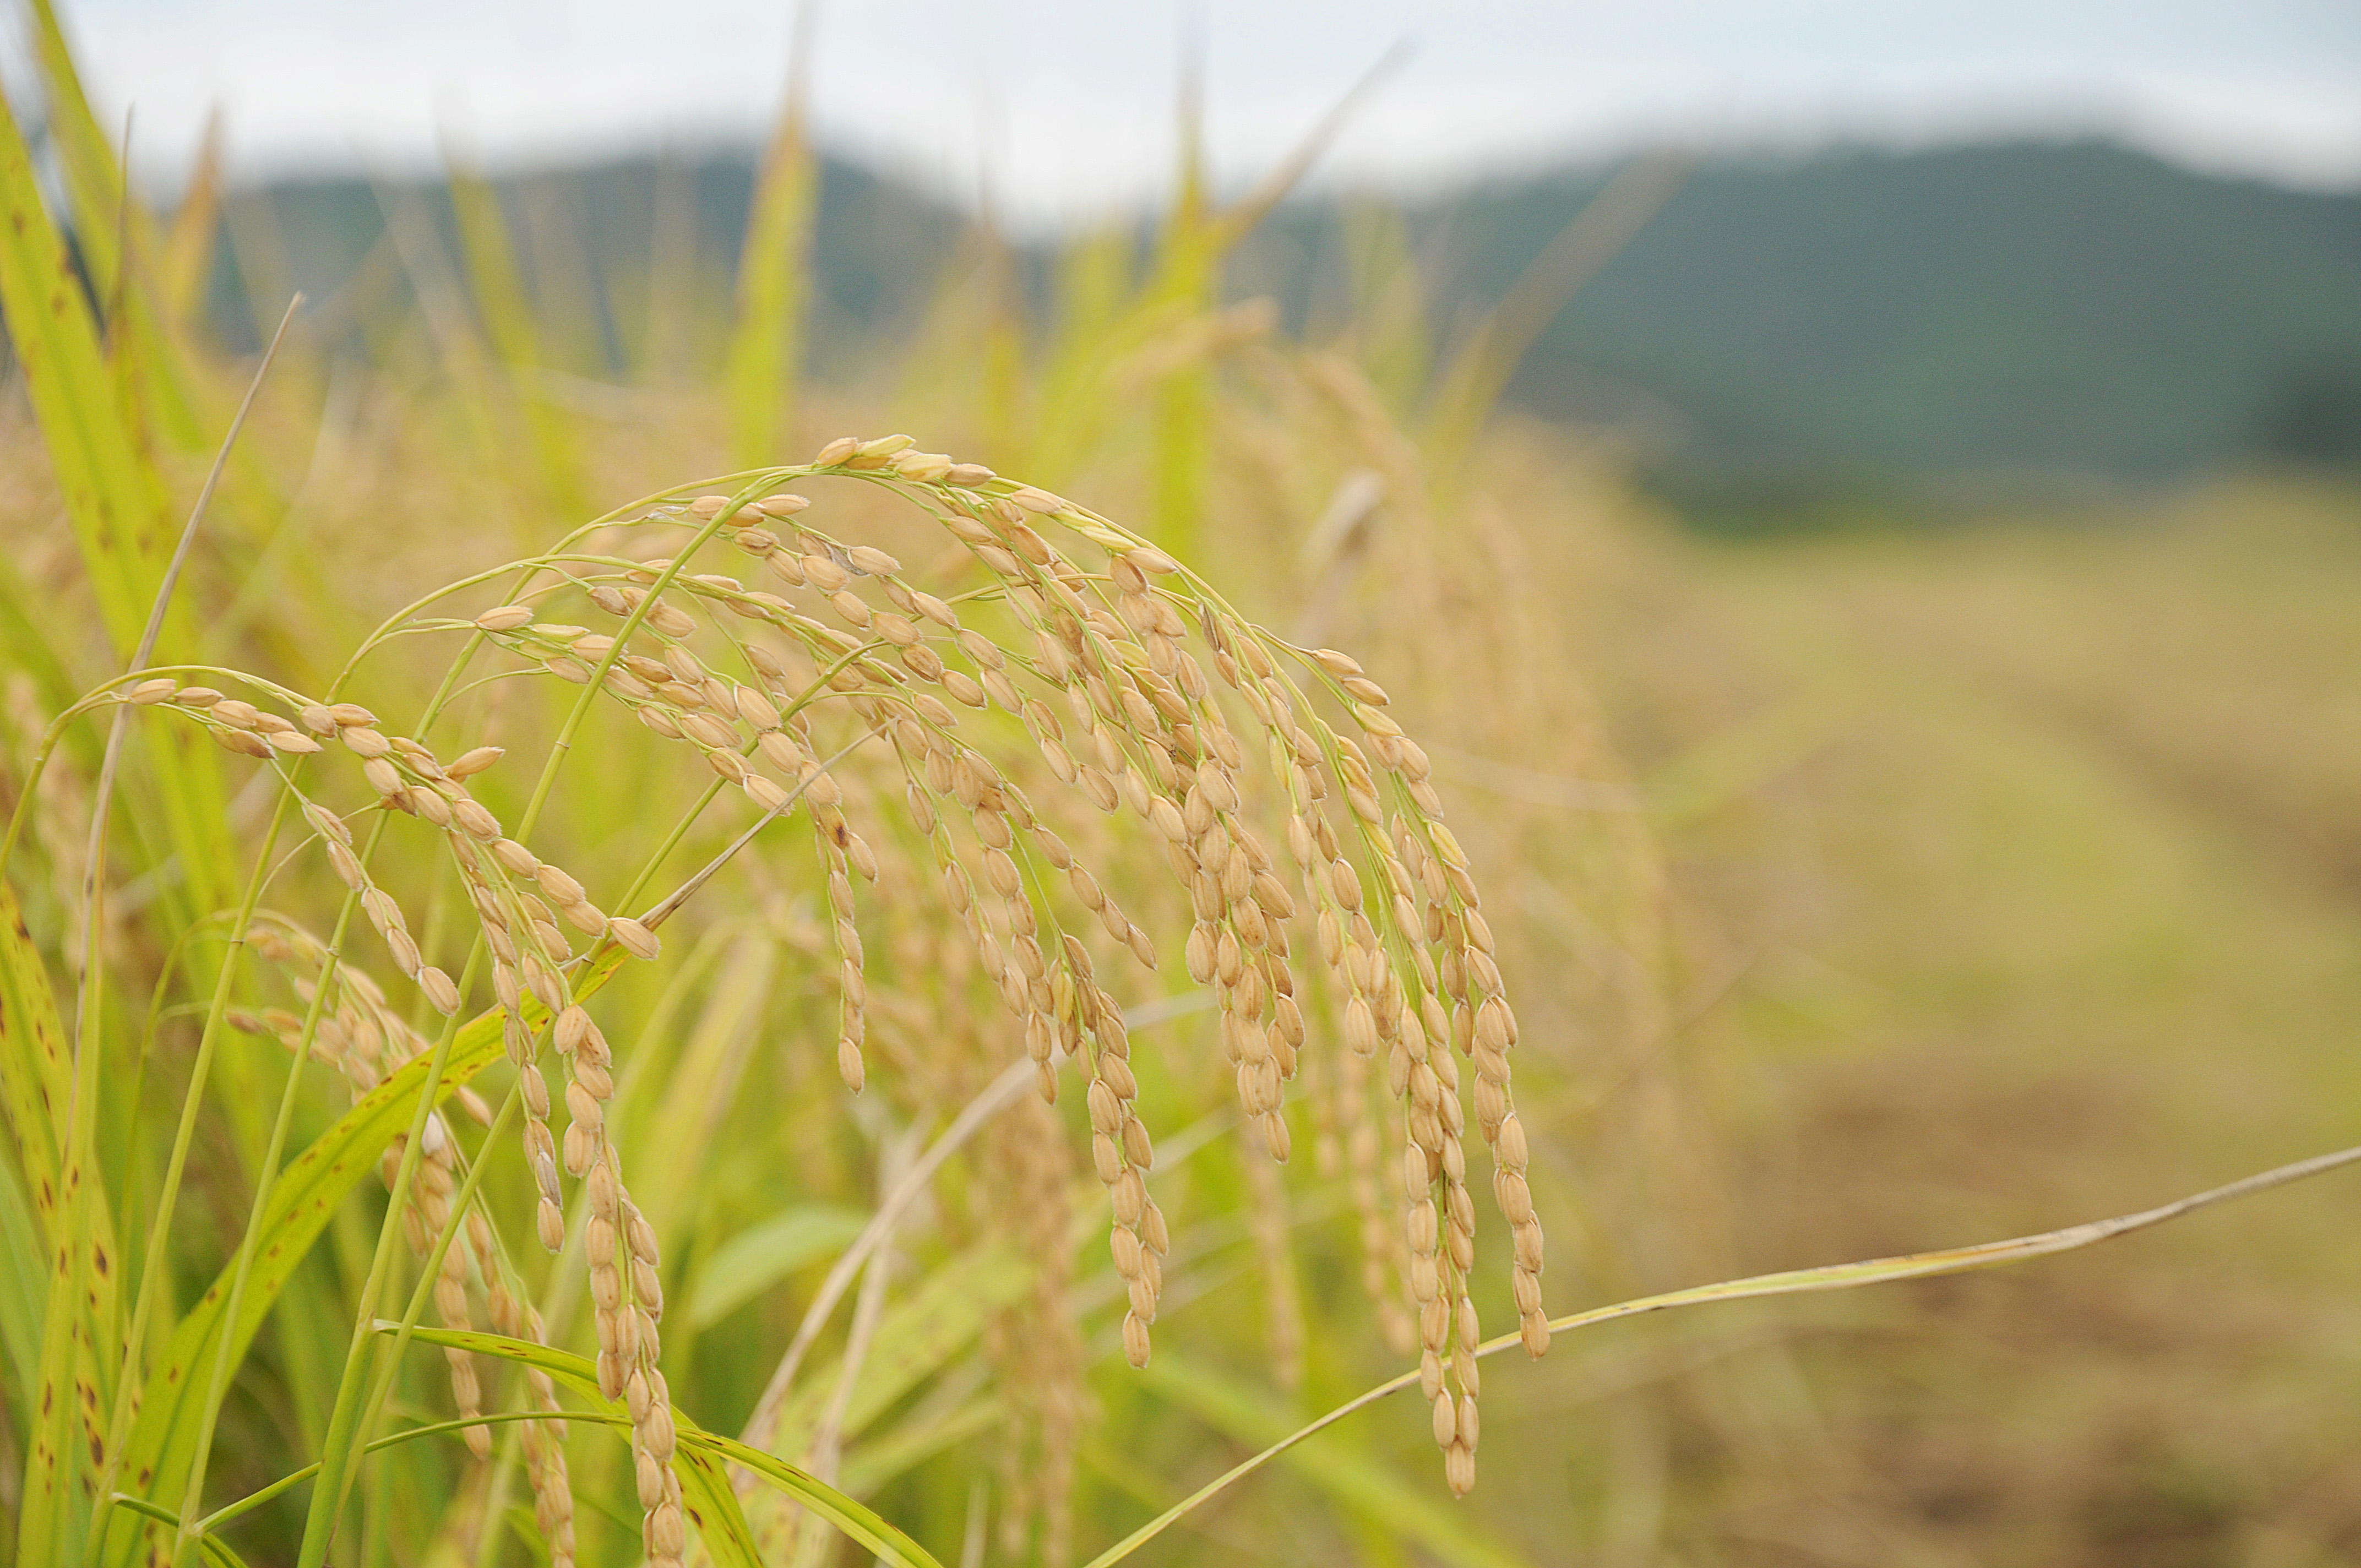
<point>1069,103</point>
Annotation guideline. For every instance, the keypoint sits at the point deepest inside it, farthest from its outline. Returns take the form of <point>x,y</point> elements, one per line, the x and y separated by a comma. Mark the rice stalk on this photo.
<point>1152,742</point>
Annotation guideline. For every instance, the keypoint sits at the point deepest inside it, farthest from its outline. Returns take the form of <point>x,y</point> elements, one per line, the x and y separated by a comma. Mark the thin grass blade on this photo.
<point>766,342</point>
<point>303,1201</point>
<point>1359,1480</point>
<point>1790,1282</point>
<point>580,1375</point>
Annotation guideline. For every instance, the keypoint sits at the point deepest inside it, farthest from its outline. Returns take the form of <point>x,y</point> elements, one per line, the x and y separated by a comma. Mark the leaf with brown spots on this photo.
<point>33,1075</point>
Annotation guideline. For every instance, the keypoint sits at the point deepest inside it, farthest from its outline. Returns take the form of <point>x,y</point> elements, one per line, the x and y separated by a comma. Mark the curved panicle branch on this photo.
<point>1069,652</point>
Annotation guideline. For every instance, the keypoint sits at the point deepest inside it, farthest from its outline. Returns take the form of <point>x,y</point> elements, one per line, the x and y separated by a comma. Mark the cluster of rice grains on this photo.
<point>1098,669</point>
<point>518,901</point>
<point>363,1038</point>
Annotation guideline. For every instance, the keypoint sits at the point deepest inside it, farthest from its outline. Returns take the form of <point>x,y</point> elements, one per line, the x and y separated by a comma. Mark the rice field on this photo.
<point>645,979</point>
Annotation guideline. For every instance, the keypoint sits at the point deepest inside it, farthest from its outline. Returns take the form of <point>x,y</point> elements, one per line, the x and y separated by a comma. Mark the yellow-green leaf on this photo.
<point>759,1257</point>
<point>580,1375</point>
<point>302,1201</point>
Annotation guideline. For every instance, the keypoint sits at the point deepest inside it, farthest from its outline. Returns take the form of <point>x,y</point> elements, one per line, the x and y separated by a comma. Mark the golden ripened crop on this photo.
<point>793,897</point>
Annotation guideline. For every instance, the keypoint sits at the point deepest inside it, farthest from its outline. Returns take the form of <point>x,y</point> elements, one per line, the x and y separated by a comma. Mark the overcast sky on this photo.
<point>1067,106</point>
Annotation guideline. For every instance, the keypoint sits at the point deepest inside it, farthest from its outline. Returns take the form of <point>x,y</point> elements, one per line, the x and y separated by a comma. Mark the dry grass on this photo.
<point>2004,963</point>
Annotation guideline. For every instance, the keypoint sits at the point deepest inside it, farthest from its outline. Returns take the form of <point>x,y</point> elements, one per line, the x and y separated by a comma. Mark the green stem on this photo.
<point>671,841</point>
<point>288,1483</point>
<point>159,1229</point>
<point>347,1416</point>
<point>460,1199</point>
<point>632,623</point>
<point>192,1497</point>
<point>345,1419</point>
<point>157,1012</point>
<point>356,1401</point>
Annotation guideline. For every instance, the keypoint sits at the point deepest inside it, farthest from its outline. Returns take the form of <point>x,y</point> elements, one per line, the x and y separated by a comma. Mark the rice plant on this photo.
<point>777,953</point>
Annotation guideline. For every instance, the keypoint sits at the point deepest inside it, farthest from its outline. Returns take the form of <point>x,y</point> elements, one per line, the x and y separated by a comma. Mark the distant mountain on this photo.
<point>1853,318</point>
<point>2025,307</point>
